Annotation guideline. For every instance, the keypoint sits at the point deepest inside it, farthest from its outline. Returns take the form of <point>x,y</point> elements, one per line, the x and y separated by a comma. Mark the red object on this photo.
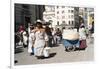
<point>83,44</point>
<point>21,28</point>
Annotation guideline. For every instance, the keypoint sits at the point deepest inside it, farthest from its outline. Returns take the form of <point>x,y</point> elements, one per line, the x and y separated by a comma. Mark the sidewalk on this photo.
<point>59,55</point>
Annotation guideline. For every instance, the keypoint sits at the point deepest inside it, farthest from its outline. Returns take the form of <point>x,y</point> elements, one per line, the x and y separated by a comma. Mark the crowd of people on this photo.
<point>38,38</point>
<point>41,37</point>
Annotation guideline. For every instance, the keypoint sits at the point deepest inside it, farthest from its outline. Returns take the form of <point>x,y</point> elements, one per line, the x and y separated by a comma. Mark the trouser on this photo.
<point>55,39</point>
<point>50,42</point>
<point>58,39</point>
<point>32,50</point>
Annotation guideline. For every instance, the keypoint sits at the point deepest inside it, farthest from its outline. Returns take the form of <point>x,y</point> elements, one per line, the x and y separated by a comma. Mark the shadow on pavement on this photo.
<point>51,55</point>
<point>18,50</point>
<point>55,45</point>
<point>77,49</point>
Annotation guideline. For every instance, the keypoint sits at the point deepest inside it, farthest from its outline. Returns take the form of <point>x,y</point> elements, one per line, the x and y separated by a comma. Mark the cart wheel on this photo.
<point>70,48</point>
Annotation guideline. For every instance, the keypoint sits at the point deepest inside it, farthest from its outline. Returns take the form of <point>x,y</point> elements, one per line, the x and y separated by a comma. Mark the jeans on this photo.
<point>58,39</point>
<point>32,50</point>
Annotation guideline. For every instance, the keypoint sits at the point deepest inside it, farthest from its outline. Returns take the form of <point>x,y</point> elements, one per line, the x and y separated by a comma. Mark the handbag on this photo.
<point>83,44</point>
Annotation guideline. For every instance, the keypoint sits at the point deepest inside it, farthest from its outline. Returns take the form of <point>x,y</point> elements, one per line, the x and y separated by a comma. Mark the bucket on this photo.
<point>46,51</point>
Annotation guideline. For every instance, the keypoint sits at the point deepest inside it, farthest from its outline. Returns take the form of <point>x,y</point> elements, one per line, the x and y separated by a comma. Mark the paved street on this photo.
<point>58,55</point>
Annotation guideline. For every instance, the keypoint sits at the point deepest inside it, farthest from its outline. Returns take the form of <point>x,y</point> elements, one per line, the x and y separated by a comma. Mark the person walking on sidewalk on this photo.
<point>82,34</point>
<point>40,40</point>
<point>53,36</point>
<point>58,35</point>
<point>30,41</point>
<point>49,34</point>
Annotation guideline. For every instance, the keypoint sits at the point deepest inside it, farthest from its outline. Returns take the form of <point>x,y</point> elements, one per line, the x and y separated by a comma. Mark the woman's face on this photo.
<point>20,26</point>
<point>38,25</point>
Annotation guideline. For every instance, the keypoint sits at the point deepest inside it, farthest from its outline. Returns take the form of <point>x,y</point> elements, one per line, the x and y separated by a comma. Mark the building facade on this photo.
<point>49,15</point>
<point>87,14</point>
<point>59,16</point>
<point>90,16</point>
<point>64,16</point>
<point>26,13</point>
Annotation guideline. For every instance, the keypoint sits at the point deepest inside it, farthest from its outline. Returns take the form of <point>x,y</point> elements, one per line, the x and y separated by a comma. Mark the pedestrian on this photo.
<point>53,36</point>
<point>25,38</point>
<point>29,28</point>
<point>58,35</point>
<point>31,41</point>
<point>54,42</point>
<point>82,32</point>
<point>49,34</point>
<point>92,29</point>
<point>87,32</point>
<point>40,40</point>
<point>82,37</point>
<point>90,26</point>
<point>21,29</point>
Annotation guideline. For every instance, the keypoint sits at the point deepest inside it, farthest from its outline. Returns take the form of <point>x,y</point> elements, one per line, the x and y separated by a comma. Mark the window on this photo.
<point>57,12</point>
<point>57,6</point>
<point>68,11</point>
<point>69,22</point>
<point>63,17</point>
<point>72,16</point>
<point>57,17</point>
<point>72,22</point>
<point>62,11</point>
<point>52,9</point>
<point>63,21</point>
<point>72,11</point>
<point>63,6</point>
<point>57,22</point>
<point>25,6</point>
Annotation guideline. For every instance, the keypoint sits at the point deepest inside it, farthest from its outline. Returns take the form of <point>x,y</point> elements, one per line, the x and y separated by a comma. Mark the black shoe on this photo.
<point>25,46</point>
<point>31,54</point>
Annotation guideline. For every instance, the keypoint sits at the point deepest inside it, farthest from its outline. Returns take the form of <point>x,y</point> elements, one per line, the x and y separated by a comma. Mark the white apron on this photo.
<point>40,38</point>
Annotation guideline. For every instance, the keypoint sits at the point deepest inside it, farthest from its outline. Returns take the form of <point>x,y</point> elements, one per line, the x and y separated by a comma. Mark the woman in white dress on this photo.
<point>30,42</point>
<point>40,40</point>
<point>82,33</point>
<point>25,38</point>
